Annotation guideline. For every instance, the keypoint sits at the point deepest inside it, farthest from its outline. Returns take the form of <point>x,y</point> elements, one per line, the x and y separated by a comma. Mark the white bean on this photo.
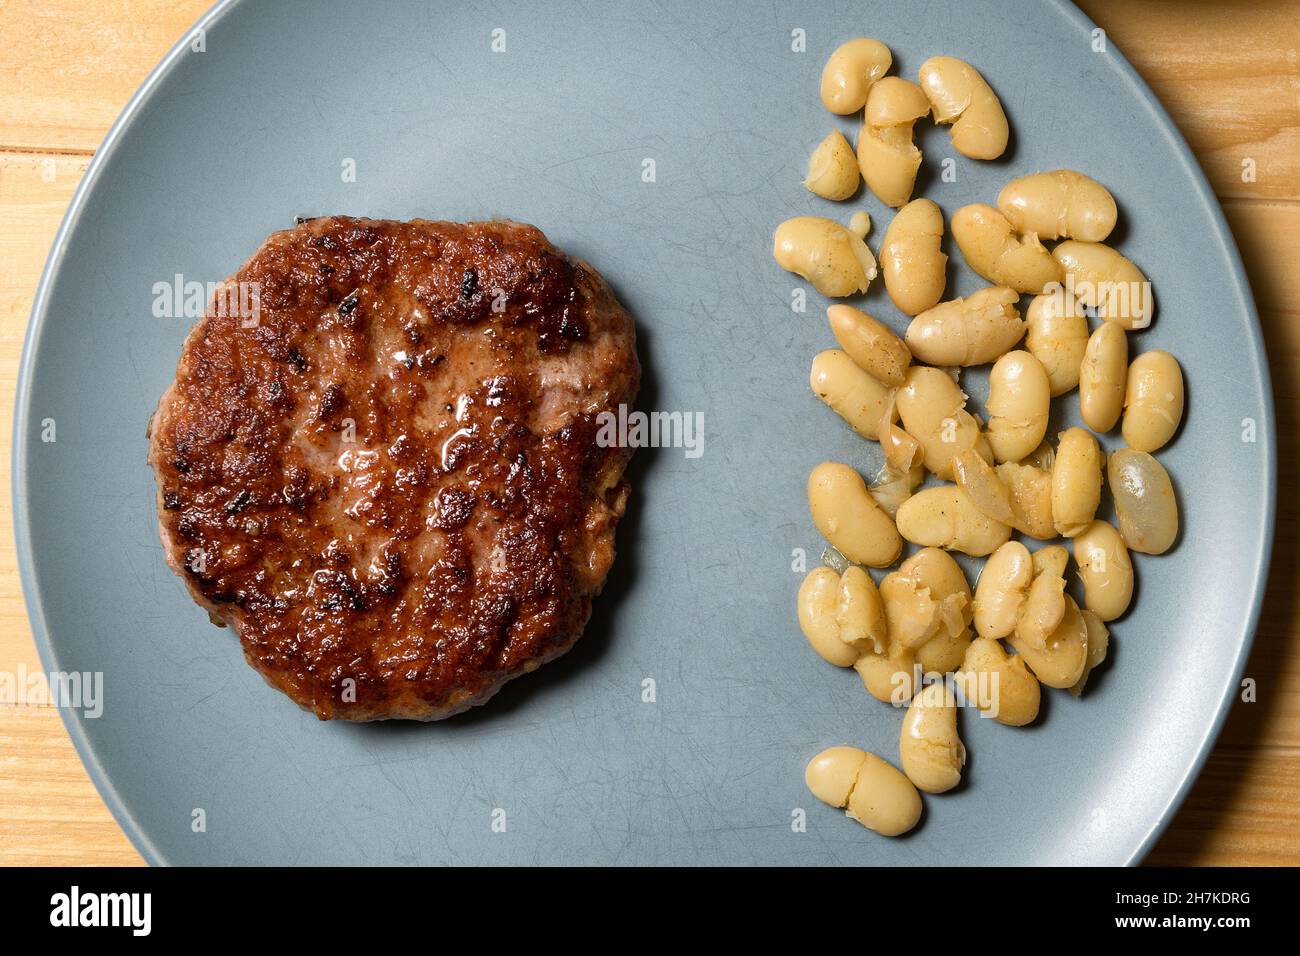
<point>961,96</point>
<point>835,260</point>
<point>929,747</point>
<point>912,262</point>
<point>1062,204</point>
<point>850,72</point>
<point>887,157</point>
<point>855,396</point>
<point>1102,377</point>
<point>1105,280</point>
<point>1020,397</point>
<point>1001,591</point>
<point>1144,501</point>
<point>870,343</point>
<point>933,410</point>
<point>1105,569</point>
<point>875,793</point>
<point>1058,337</point>
<point>994,251</point>
<point>1076,481</point>
<point>945,517</point>
<point>974,330</point>
<point>849,517</point>
<point>1153,405</point>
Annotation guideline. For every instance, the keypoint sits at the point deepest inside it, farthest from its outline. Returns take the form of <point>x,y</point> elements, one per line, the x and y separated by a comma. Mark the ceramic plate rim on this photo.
<point>136,832</point>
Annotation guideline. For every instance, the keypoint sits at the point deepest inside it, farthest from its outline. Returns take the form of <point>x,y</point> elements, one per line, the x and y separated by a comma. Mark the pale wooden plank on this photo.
<point>1265,234</point>
<point>70,66</point>
<point>1229,75</point>
<point>34,192</point>
<point>1273,718</point>
<point>1267,239</point>
<point>50,813</point>
<point>1244,810</point>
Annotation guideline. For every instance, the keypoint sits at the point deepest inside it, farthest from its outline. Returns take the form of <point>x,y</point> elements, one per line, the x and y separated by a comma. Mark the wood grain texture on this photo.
<point>50,813</point>
<point>1228,74</point>
<point>1242,811</point>
<point>34,191</point>
<point>80,62</point>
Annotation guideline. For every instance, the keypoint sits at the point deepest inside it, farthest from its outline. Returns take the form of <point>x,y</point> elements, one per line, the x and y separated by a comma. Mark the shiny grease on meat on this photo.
<point>390,484</point>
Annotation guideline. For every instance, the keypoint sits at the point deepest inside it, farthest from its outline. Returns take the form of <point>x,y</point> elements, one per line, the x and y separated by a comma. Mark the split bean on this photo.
<point>842,615</point>
<point>833,168</point>
<point>945,517</point>
<point>1061,662</point>
<point>894,486</point>
<point>1001,590</point>
<point>929,746</point>
<point>887,156</point>
<point>993,250</point>
<point>1098,645</point>
<point>1031,498</point>
<point>986,490</point>
<point>1044,605</point>
<point>1062,204</point>
<point>959,95</point>
<point>926,596</point>
<point>933,409</point>
<point>1000,684</point>
<point>835,260</point>
<point>974,330</point>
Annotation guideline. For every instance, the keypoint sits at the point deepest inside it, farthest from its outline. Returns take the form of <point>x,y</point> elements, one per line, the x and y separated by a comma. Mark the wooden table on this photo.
<point>1228,73</point>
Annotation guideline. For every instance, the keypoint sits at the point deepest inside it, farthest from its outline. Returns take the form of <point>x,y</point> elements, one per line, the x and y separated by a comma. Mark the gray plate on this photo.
<point>221,147</point>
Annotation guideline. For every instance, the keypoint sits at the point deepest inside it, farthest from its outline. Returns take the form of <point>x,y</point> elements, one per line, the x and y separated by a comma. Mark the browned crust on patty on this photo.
<point>390,485</point>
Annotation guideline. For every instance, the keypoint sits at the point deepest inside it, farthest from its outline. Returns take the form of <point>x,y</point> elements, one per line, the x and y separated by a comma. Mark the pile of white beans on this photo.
<point>998,477</point>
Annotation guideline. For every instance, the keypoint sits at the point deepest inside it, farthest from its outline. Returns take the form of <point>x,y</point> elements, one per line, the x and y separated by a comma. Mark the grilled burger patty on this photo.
<point>386,477</point>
